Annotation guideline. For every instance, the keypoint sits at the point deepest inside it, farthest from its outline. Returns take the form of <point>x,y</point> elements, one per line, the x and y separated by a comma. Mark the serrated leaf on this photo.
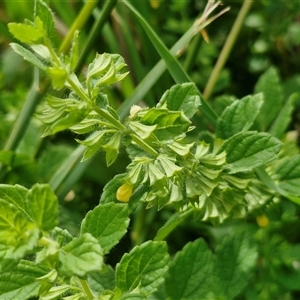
<point>107,223</point>
<point>27,33</point>
<point>283,119</point>
<point>20,282</point>
<point>235,258</point>
<point>189,274</point>
<point>110,189</point>
<point>44,206</point>
<point>250,149</point>
<point>288,174</point>
<point>144,267</point>
<point>181,97</point>
<point>80,256</point>
<point>43,11</point>
<point>28,55</point>
<point>62,236</point>
<point>269,85</point>
<point>239,116</point>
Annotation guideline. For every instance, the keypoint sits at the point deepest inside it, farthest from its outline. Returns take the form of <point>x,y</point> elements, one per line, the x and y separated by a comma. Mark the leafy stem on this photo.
<point>86,288</point>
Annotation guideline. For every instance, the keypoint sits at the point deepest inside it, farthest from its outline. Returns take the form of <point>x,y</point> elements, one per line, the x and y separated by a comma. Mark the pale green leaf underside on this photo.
<point>107,223</point>
<point>238,116</point>
<point>28,55</point>
<point>143,267</point>
<point>250,149</point>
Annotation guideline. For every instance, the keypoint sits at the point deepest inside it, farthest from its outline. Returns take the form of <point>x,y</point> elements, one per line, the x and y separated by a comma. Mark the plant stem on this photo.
<point>144,145</point>
<point>86,288</point>
<point>227,48</point>
<point>79,22</point>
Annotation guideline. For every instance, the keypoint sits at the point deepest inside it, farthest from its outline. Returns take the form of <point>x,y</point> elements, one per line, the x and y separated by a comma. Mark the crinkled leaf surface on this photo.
<point>190,272</point>
<point>143,267</point>
<point>269,85</point>
<point>20,282</point>
<point>81,256</point>
<point>43,11</point>
<point>238,116</point>
<point>288,173</point>
<point>44,206</point>
<point>250,149</point>
<point>107,223</point>
<point>181,97</point>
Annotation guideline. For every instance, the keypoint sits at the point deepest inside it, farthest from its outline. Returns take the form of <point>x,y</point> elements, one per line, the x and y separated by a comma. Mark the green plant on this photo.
<point>238,171</point>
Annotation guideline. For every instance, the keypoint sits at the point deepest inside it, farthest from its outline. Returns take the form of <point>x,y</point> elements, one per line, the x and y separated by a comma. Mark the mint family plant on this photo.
<point>240,170</point>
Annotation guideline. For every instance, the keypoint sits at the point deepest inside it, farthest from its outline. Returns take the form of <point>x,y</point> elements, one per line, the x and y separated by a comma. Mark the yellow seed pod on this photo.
<point>124,192</point>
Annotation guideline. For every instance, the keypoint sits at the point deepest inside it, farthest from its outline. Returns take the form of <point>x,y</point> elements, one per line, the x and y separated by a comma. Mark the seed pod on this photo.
<point>124,192</point>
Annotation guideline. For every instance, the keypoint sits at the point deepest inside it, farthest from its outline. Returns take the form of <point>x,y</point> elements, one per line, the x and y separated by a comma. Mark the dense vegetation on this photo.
<point>193,152</point>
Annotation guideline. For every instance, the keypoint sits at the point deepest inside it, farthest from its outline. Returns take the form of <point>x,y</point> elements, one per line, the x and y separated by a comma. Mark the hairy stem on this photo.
<point>227,48</point>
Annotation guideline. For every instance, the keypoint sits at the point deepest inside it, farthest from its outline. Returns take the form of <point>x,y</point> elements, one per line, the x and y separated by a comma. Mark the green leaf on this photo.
<point>110,189</point>
<point>102,280</point>
<point>173,65</point>
<point>143,268</point>
<point>43,11</point>
<point>181,97</point>
<point>58,75</point>
<point>283,119</point>
<point>28,55</point>
<point>18,235</point>
<point>20,282</point>
<point>81,256</point>
<point>27,33</point>
<point>235,258</point>
<point>44,206</point>
<point>107,223</point>
<point>238,116</point>
<point>190,272</point>
<point>269,85</point>
<point>169,123</point>
<point>250,149</point>
<point>175,220</point>
<point>288,175</point>
<point>74,54</point>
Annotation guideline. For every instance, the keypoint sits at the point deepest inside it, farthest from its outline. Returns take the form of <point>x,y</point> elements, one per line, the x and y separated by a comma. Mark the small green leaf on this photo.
<point>143,268</point>
<point>110,189</point>
<point>28,55</point>
<point>190,272</point>
<point>112,148</point>
<point>81,256</point>
<point>283,119</point>
<point>181,97</point>
<point>20,282</point>
<point>44,206</point>
<point>43,11</point>
<point>250,149</point>
<point>141,130</point>
<point>27,33</point>
<point>269,85</point>
<point>74,55</point>
<point>288,174</point>
<point>238,116</point>
<point>169,123</point>
<point>107,223</point>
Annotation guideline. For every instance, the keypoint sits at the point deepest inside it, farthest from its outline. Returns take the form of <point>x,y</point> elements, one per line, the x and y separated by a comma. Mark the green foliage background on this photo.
<point>264,57</point>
